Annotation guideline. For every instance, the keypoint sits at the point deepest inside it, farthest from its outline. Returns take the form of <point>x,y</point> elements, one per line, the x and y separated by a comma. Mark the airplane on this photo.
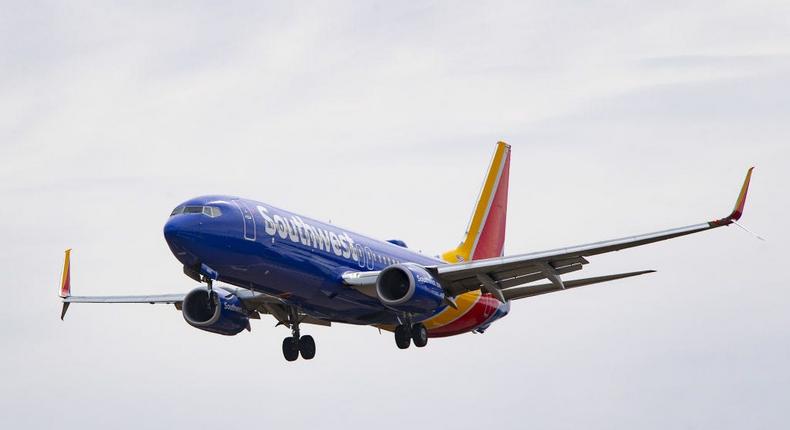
<point>253,258</point>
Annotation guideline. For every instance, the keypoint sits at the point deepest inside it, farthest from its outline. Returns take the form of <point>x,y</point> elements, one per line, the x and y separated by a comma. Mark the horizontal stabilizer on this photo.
<point>516,293</point>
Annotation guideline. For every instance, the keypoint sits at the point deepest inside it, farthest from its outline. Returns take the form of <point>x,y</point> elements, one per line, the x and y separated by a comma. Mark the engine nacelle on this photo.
<point>221,313</point>
<point>409,288</point>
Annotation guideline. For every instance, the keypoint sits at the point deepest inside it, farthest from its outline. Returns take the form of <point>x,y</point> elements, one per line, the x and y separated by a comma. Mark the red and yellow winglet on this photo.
<point>737,211</point>
<point>65,283</point>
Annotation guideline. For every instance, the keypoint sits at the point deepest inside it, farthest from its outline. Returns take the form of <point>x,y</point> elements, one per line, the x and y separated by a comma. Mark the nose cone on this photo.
<point>180,232</point>
<point>199,227</point>
<point>171,229</point>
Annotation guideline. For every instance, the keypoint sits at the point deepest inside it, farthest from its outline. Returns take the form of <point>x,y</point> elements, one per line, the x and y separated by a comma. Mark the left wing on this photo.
<point>254,302</point>
<point>154,299</point>
<point>501,275</point>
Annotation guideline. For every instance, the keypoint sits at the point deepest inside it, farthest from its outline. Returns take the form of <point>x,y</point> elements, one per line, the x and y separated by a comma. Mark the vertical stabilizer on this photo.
<point>485,235</point>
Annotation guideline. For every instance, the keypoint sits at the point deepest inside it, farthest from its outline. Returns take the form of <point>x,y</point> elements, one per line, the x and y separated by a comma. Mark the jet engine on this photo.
<point>217,311</point>
<point>409,288</point>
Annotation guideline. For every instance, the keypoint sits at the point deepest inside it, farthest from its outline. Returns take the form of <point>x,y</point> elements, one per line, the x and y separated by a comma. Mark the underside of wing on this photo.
<point>506,278</point>
<point>254,303</point>
<point>496,275</point>
<point>516,293</point>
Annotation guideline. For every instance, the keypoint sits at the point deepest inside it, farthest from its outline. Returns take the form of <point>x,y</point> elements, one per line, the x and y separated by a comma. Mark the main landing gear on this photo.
<point>296,345</point>
<point>404,335</point>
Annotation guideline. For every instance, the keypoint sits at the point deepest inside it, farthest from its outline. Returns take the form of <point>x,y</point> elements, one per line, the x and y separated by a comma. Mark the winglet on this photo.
<point>737,211</point>
<point>65,283</point>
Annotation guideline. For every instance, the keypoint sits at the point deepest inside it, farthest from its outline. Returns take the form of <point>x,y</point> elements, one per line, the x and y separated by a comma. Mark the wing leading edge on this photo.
<point>256,303</point>
<point>504,276</point>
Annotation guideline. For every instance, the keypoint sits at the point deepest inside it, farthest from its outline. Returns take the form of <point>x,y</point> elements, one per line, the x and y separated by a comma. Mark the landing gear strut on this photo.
<point>296,344</point>
<point>210,291</point>
<point>405,334</point>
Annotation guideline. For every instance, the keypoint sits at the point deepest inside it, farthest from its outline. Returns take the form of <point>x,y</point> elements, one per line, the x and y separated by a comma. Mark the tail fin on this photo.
<point>65,283</point>
<point>485,235</point>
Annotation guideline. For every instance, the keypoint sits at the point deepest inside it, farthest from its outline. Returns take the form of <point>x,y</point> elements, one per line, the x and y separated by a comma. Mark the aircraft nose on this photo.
<point>181,234</point>
<point>171,229</point>
<point>179,229</point>
<point>197,227</point>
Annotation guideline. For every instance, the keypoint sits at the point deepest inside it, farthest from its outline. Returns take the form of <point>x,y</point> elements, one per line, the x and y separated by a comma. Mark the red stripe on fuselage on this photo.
<point>480,312</point>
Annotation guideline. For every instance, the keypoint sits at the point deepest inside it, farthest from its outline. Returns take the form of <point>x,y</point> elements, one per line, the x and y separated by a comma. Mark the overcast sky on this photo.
<point>624,117</point>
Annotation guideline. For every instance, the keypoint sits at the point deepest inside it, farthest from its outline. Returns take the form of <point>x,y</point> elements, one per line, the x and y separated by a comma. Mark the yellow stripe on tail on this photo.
<point>484,236</point>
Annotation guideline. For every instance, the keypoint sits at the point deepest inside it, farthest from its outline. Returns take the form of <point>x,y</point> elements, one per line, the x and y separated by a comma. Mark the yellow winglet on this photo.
<point>65,283</point>
<point>737,211</point>
<point>740,203</point>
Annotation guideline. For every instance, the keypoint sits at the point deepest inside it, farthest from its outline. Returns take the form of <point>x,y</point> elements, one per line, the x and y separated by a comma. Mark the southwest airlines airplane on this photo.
<point>303,271</point>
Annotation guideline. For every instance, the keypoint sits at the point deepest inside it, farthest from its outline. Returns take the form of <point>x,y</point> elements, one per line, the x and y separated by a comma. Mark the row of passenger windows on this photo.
<point>370,258</point>
<point>385,259</point>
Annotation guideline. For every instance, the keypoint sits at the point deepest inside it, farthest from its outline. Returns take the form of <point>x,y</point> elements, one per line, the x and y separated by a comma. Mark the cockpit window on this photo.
<point>210,211</point>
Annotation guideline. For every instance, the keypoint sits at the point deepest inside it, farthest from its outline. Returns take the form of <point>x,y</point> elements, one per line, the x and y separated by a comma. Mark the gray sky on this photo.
<point>624,118</point>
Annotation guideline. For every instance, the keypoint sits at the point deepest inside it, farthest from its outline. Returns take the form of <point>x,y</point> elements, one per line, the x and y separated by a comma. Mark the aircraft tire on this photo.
<point>402,336</point>
<point>307,347</point>
<point>419,334</point>
<point>290,349</point>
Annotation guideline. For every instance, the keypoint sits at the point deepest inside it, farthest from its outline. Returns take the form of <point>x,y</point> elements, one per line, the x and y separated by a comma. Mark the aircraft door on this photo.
<point>249,221</point>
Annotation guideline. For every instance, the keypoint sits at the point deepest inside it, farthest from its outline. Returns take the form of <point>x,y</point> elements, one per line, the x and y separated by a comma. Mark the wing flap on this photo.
<point>516,293</point>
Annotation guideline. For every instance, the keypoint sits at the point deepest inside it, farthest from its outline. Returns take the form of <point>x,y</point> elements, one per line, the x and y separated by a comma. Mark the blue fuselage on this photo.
<point>301,260</point>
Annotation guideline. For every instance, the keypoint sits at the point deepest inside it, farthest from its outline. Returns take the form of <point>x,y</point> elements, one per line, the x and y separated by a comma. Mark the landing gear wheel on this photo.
<point>402,336</point>
<point>307,347</point>
<point>291,348</point>
<point>419,334</point>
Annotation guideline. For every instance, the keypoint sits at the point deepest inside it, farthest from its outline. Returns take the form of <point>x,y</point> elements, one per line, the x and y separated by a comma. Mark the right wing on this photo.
<point>505,277</point>
<point>501,273</point>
